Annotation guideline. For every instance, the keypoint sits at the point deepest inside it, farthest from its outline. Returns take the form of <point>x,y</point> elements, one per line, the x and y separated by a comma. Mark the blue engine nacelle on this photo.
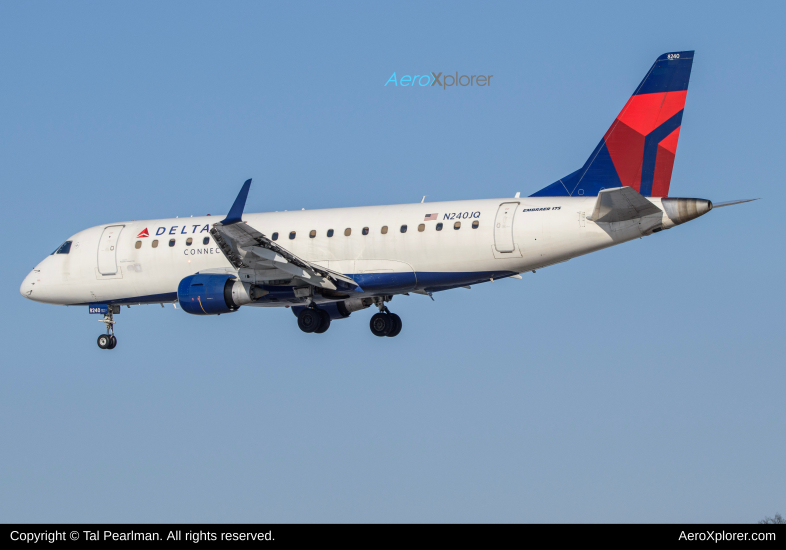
<point>211,294</point>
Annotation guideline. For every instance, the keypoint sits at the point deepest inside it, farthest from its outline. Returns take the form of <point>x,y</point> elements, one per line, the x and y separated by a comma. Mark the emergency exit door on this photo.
<point>107,250</point>
<point>503,227</point>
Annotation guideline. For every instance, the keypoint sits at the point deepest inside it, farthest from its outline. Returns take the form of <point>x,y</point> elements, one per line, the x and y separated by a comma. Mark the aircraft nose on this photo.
<point>28,285</point>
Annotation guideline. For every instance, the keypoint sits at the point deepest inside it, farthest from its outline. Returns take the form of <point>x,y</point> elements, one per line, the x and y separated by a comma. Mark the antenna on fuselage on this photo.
<point>423,199</point>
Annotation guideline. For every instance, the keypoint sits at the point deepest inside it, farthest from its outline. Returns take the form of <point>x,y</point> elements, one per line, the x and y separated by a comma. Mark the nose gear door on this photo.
<point>107,250</point>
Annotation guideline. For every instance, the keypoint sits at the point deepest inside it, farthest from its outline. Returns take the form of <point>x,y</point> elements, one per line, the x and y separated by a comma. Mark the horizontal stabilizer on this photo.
<point>621,204</point>
<point>729,203</point>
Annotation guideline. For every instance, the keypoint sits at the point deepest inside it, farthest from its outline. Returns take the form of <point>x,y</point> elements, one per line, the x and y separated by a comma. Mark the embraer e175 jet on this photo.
<point>328,264</point>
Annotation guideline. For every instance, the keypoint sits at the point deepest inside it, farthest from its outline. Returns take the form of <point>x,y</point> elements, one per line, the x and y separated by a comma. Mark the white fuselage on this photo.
<point>131,269</point>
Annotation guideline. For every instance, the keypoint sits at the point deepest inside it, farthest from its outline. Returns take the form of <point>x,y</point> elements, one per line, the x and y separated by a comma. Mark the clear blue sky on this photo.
<point>641,383</point>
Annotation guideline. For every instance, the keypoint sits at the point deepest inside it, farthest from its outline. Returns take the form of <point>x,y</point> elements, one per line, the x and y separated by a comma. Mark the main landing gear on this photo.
<point>314,320</point>
<point>385,323</point>
<point>108,340</point>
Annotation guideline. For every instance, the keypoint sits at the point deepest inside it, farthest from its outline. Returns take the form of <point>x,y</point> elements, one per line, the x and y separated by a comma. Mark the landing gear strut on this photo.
<point>314,320</point>
<point>385,323</point>
<point>108,340</point>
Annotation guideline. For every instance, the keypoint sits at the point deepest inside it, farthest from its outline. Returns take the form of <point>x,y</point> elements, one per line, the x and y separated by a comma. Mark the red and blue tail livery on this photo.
<point>638,149</point>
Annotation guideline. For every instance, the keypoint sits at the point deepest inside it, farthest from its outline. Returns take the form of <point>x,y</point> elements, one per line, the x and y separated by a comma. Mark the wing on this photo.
<point>245,247</point>
<point>248,249</point>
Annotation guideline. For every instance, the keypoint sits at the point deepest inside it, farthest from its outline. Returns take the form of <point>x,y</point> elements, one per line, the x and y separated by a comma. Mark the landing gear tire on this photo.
<point>382,324</point>
<point>309,320</point>
<point>108,340</point>
<point>396,325</point>
<point>104,341</point>
<point>325,321</point>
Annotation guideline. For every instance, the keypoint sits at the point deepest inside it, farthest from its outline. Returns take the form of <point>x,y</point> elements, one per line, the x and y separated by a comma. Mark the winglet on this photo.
<point>236,211</point>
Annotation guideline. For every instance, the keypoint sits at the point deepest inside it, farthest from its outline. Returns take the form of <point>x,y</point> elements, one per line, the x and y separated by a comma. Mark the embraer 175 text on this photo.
<point>327,264</point>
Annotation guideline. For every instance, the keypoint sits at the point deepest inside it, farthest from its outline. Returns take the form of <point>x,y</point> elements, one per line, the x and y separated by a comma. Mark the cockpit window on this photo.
<point>64,248</point>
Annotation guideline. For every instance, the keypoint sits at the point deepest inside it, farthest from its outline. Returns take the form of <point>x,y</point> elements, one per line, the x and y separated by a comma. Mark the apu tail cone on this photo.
<point>684,210</point>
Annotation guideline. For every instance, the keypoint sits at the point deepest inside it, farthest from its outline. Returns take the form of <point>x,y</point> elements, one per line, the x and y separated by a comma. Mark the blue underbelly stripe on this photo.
<point>430,281</point>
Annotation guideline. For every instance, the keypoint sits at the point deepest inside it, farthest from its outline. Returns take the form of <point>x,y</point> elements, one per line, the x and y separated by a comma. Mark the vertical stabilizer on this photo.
<point>638,149</point>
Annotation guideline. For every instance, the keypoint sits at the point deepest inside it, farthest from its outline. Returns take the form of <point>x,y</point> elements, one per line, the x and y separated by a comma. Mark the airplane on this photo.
<point>327,264</point>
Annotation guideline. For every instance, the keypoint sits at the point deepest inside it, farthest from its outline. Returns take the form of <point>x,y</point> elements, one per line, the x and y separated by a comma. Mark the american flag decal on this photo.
<point>430,217</point>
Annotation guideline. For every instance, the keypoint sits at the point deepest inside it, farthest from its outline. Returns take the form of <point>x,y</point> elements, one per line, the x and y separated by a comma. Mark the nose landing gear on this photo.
<point>108,340</point>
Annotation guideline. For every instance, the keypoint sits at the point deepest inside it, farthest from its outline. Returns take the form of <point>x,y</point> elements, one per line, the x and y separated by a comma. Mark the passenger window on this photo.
<point>439,226</point>
<point>403,228</point>
<point>475,224</point>
<point>206,240</point>
<point>457,225</point>
<point>312,234</point>
<point>422,227</point>
<point>274,236</point>
<point>347,232</point>
<point>330,233</point>
<point>138,245</point>
<point>171,242</point>
<point>365,231</point>
<point>292,235</point>
<point>189,241</point>
<point>384,229</point>
<point>154,244</point>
